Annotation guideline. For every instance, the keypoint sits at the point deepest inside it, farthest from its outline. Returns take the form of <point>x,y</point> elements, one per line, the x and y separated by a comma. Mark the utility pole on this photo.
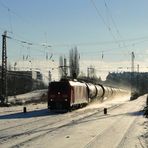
<point>132,71</point>
<point>3,97</point>
<point>90,72</point>
<point>133,57</point>
<point>137,78</point>
<point>65,67</point>
<point>138,68</point>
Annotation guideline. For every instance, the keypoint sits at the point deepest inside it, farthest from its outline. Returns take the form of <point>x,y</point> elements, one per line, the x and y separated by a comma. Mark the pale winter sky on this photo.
<point>104,31</point>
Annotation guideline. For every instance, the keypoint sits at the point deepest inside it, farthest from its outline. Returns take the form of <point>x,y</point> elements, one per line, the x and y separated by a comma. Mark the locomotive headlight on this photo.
<point>51,100</point>
<point>66,100</point>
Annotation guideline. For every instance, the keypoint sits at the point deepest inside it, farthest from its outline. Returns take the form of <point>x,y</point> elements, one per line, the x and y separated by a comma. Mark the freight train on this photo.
<point>68,94</point>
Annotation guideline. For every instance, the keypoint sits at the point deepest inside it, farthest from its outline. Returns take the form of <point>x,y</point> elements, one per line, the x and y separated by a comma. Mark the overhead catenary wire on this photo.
<point>7,8</point>
<point>103,20</point>
<point>109,51</point>
<point>108,26</point>
<point>105,51</point>
<point>113,21</point>
<point>140,39</point>
<point>28,43</point>
<point>10,21</point>
<point>80,44</point>
<point>9,13</point>
<point>11,10</point>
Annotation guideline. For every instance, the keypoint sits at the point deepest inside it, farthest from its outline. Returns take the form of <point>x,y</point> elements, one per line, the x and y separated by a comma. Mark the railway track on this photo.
<point>44,127</point>
<point>54,116</point>
<point>103,138</point>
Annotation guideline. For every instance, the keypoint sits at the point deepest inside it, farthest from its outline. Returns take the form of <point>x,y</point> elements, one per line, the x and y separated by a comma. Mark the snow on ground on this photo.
<point>34,96</point>
<point>123,126</point>
<point>99,130</point>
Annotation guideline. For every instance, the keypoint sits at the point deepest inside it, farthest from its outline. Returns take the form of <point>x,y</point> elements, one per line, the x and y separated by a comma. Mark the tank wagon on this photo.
<point>67,94</point>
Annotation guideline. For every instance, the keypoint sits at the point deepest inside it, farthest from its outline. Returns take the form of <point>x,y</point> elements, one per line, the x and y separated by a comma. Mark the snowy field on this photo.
<point>123,127</point>
<point>30,97</point>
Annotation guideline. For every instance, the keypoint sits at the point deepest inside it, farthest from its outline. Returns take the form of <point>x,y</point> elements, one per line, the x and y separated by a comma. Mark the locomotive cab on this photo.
<point>58,96</point>
<point>65,95</point>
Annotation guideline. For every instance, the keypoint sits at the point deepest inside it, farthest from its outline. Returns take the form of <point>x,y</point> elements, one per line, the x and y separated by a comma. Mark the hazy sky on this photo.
<point>102,30</point>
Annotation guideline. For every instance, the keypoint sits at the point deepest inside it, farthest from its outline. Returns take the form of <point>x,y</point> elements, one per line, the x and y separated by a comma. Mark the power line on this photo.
<point>10,10</point>
<point>114,24</point>
<point>99,14</point>
<point>31,44</point>
<point>27,42</point>
<point>143,39</point>
<point>105,51</point>
<point>113,21</point>
<point>10,22</point>
<point>140,39</point>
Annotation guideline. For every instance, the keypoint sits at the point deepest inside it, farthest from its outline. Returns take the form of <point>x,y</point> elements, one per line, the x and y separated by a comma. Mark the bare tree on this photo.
<point>74,62</point>
<point>63,67</point>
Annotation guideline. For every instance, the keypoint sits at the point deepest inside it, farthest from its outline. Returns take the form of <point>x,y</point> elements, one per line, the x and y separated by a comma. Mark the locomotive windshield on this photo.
<point>58,87</point>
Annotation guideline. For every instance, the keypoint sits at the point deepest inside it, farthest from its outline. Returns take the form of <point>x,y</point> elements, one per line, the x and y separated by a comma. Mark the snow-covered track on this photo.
<point>122,126</point>
<point>86,127</point>
<point>26,132</point>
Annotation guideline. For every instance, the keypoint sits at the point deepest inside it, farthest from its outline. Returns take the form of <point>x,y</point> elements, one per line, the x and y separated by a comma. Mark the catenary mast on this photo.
<point>3,97</point>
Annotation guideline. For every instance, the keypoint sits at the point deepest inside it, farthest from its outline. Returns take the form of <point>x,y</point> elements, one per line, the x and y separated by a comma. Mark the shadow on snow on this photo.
<point>29,114</point>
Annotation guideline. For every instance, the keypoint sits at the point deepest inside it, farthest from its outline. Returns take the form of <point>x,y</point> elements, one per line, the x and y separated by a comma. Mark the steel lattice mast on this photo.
<point>4,98</point>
